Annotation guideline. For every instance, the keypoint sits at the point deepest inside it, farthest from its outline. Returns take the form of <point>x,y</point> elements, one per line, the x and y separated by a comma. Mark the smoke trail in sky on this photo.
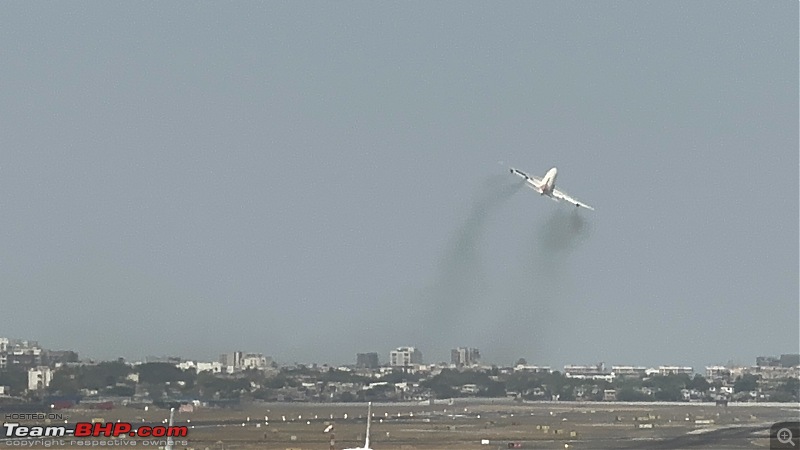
<point>538,309</point>
<point>561,233</point>
<point>460,282</point>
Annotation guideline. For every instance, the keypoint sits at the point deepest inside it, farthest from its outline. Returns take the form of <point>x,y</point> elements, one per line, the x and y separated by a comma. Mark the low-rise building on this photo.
<point>527,368</point>
<point>597,372</point>
<point>714,373</point>
<point>629,371</point>
<point>199,366</point>
<point>777,372</point>
<point>39,378</point>
<point>255,361</point>
<point>675,370</point>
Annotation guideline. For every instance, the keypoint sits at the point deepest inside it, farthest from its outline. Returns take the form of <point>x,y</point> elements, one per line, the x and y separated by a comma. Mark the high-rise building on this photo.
<point>405,356</point>
<point>465,357</point>
<point>367,360</point>
<point>232,362</point>
<point>21,353</point>
<point>790,360</point>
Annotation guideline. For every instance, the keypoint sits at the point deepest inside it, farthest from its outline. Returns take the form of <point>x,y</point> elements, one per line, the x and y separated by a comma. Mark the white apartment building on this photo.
<point>717,373</point>
<point>255,361</point>
<point>597,372</point>
<point>629,371</point>
<point>675,370</point>
<point>198,366</point>
<point>405,356</point>
<point>39,378</point>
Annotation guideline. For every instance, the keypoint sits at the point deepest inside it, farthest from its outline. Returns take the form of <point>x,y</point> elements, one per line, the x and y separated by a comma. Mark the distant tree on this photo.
<point>781,396</point>
<point>161,373</point>
<point>378,392</point>
<point>123,391</point>
<point>790,385</point>
<point>342,376</point>
<point>668,394</point>
<point>522,362</point>
<point>279,381</point>
<point>65,382</point>
<point>787,391</point>
<point>699,383</point>
<point>746,383</point>
<point>395,376</point>
<point>16,379</point>
<point>627,382</point>
<point>493,389</point>
<point>156,391</point>
<point>522,381</point>
<point>103,374</point>
<point>210,386</point>
<point>566,393</point>
<point>631,395</point>
<point>668,387</point>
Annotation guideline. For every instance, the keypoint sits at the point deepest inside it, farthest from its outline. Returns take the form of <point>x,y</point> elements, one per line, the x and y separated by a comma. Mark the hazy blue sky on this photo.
<point>314,179</point>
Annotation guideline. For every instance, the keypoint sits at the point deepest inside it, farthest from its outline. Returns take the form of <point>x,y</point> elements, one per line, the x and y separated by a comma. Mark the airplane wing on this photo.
<point>563,196</point>
<point>535,182</point>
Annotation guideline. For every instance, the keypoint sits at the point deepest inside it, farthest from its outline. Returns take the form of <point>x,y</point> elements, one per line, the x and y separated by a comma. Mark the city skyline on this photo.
<point>385,360</point>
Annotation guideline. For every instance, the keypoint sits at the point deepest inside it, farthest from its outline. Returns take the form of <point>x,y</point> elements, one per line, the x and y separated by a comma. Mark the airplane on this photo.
<point>170,442</point>
<point>547,186</point>
<point>366,440</point>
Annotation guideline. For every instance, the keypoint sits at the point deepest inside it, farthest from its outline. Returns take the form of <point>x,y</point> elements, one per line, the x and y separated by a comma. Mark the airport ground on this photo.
<point>466,424</point>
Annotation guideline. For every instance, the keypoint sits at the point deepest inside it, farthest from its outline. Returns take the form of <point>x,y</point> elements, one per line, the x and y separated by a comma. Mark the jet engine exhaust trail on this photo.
<point>545,276</point>
<point>460,281</point>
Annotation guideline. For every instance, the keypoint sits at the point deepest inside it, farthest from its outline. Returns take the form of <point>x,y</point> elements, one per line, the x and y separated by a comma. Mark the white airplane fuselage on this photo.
<point>548,182</point>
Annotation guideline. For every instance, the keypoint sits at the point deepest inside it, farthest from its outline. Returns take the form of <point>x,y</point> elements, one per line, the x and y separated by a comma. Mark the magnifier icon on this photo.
<point>784,436</point>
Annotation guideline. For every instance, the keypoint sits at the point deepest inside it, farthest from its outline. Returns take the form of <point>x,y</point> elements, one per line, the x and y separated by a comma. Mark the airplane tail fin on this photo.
<point>169,439</point>
<point>369,419</point>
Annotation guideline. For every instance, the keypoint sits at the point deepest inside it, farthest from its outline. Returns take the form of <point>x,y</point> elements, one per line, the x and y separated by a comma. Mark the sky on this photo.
<point>309,180</point>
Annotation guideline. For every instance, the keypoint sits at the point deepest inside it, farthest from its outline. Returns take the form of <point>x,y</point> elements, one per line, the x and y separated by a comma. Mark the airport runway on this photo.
<point>464,424</point>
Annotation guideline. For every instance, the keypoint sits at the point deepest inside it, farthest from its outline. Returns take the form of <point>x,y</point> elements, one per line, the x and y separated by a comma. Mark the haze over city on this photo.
<point>313,180</point>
